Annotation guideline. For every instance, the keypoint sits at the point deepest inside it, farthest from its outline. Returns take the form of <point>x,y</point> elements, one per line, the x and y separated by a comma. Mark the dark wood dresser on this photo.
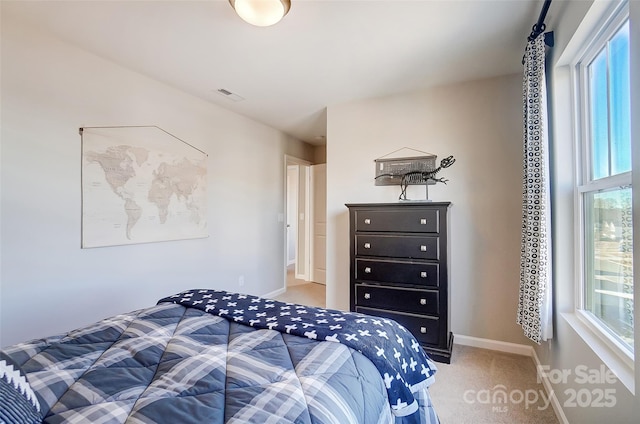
<point>399,268</point>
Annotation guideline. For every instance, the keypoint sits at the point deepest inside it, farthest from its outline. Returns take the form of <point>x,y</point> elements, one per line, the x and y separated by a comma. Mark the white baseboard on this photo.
<point>499,346</point>
<point>517,349</point>
<point>546,383</point>
<point>274,293</point>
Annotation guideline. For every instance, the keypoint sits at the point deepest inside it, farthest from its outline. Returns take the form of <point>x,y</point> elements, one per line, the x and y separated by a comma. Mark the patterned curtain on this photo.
<point>534,306</point>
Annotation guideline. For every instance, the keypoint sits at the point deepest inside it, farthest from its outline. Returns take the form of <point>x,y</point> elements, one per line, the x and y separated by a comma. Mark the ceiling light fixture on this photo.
<point>261,12</point>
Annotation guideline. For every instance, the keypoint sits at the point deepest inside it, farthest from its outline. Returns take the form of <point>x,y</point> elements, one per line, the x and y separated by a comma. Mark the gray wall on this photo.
<point>49,284</point>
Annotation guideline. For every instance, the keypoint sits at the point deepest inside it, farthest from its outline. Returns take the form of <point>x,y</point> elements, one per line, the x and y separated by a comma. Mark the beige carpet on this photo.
<point>312,294</point>
<point>470,389</point>
<point>303,292</point>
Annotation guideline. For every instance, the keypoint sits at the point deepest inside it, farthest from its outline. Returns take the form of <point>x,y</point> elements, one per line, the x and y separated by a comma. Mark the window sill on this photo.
<point>619,363</point>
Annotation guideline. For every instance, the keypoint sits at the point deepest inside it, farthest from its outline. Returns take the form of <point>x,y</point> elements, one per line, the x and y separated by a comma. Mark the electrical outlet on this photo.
<point>241,281</point>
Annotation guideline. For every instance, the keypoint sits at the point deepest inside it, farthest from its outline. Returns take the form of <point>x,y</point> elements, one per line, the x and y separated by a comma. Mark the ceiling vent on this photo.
<point>229,95</point>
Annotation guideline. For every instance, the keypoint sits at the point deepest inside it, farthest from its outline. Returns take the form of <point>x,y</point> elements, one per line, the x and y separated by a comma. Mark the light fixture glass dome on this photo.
<point>261,12</point>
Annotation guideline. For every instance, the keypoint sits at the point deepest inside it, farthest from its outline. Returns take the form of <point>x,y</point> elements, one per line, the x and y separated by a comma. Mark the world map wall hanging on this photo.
<point>141,185</point>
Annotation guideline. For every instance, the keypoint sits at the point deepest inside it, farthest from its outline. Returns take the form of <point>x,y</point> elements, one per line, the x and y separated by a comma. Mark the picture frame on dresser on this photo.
<point>399,268</point>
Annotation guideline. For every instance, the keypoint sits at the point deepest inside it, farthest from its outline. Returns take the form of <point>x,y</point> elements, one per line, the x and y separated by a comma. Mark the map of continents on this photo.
<point>136,193</point>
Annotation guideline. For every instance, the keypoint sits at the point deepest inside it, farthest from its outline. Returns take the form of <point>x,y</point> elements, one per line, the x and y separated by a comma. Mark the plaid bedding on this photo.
<point>174,364</point>
<point>397,355</point>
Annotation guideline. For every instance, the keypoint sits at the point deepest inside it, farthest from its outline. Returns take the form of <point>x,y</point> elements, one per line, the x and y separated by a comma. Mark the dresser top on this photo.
<point>403,204</point>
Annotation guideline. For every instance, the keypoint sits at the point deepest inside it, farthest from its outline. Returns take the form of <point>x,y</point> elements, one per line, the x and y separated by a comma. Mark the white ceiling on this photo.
<point>324,52</point>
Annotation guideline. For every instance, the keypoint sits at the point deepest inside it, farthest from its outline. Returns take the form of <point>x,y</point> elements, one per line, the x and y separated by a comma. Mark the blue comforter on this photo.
<point>176,364</point>
<point>394,351</point>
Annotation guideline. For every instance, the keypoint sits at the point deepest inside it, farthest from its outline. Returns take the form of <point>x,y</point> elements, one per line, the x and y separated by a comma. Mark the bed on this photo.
<point>210,356</point>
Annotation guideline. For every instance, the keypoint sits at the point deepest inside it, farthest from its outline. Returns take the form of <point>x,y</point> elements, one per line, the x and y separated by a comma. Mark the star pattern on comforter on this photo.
<point>402,363</point>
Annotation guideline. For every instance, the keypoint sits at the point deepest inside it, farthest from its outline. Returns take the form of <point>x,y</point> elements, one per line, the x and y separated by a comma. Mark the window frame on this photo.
<point>608,26</point>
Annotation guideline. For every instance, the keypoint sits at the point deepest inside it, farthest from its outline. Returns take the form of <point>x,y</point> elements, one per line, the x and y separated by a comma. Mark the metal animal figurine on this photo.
<point>425,176</point>
<point>420,177</point>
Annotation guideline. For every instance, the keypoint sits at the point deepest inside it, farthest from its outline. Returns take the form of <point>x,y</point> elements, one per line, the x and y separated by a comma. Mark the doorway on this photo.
<point>301,263</point>
<point>297,205</point>
<point>293,173</point>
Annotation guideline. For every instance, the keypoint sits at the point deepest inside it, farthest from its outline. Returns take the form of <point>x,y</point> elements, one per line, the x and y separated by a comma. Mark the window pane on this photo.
<point>599,117</point>
<point>609,266</point>
<point>609,108</point>
<point>620,101</point>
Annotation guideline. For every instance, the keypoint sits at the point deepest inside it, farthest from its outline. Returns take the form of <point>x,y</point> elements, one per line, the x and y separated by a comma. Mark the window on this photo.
<point>604,184</point>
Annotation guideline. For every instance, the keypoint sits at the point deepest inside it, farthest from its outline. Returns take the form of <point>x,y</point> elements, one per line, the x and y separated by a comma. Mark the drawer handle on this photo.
<point>423,274</point>
<point>367,270</point>
<point>423,221</point>
<point>367,245</point>
<point>367,296</point>
<point>367,221</point>
<point>423,248</point>
<point>423,330</point>
<point>423,301</point>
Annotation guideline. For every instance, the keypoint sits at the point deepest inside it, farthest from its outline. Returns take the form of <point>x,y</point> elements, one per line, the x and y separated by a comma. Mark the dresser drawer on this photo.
<point>411,221</point>
<point>415,247</point>
<point>405,272</point>
<point>400,299</point>
<point>424,329</point>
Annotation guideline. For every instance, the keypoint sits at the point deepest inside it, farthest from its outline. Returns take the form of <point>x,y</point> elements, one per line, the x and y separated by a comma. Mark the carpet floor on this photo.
<point>483,386</point>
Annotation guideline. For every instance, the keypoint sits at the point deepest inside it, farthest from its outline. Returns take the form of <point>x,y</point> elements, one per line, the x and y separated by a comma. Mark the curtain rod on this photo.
<point>539,27</point>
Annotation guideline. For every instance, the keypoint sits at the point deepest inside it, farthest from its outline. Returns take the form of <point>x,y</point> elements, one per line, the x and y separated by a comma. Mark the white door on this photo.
<point>292,213</point>
<point>303,244</point>
<point>319,223</point>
